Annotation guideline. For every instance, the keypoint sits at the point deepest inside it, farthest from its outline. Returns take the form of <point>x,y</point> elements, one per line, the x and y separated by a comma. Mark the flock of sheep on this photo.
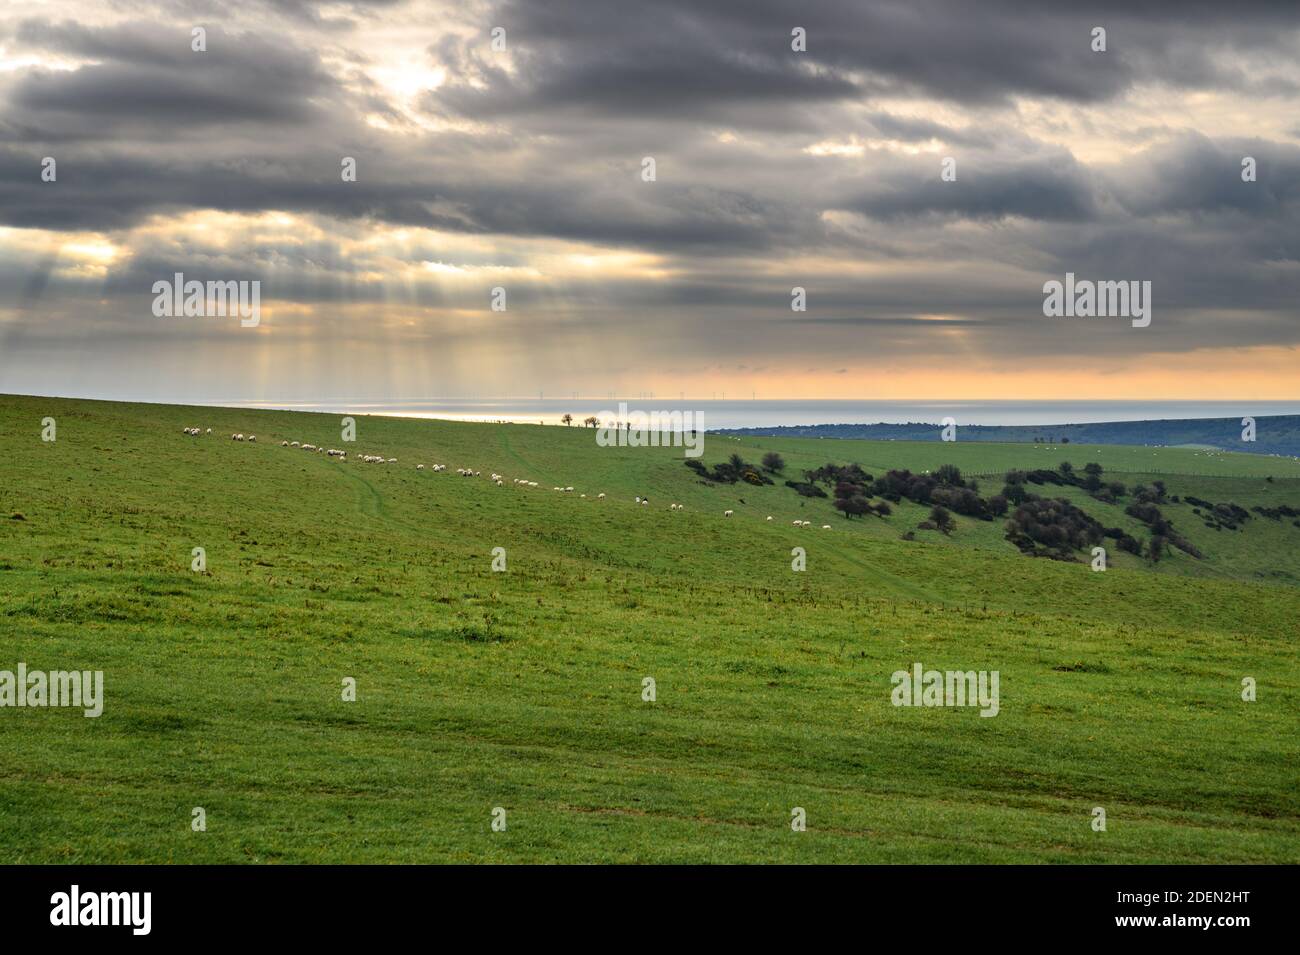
<point>463,472</point>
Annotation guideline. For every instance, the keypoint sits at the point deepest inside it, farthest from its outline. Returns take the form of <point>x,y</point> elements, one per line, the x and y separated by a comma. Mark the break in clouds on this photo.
<point>522,168</point>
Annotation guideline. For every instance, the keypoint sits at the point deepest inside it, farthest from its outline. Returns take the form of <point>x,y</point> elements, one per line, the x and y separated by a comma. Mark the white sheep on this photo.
<point>726,513</point>
<point>826,527</point>
<point>769,517</point>
<point>284,444</point>
<point>252,437</point>
<point>419,467</point>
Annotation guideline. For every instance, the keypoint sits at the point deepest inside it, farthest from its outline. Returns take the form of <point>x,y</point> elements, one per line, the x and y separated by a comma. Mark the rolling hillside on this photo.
<point>523,689</point>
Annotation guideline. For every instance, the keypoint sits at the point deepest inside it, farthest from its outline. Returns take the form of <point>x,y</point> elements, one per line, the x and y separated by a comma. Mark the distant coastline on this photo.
<point>1273,434</point>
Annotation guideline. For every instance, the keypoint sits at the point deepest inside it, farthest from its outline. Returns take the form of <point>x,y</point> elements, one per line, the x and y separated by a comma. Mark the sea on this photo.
<point>715,414</point>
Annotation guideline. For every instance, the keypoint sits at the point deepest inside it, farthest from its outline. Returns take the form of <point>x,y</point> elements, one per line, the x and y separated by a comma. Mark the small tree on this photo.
<point>1066,468</point>
<point>773,462</point>
<point>941,519</point>
<point>567,419</point>
<point>591,422</point>
<point>855,504</point>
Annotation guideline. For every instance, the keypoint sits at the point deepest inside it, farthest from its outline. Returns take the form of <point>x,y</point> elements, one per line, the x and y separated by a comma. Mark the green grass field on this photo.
<point>523,689</point>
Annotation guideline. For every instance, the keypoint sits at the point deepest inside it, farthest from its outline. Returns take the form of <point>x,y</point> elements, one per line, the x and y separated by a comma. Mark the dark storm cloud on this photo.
<point>146,80</point>
<point>691,59</point>
<point>1050,188</point>
<point>1197,174</point>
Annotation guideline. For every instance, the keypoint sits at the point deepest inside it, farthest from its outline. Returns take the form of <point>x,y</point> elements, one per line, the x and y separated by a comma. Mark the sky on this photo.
<point>519,163</point>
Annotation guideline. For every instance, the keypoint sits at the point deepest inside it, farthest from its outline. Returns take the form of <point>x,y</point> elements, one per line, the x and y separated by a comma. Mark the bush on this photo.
<point>1052,528</point>
<point>773,462</point>
<point>806,490</point>
<point>730,471</point>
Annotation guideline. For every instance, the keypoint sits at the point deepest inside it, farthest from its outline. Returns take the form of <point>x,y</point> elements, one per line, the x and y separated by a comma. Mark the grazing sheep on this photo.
<point>419,467</point>
<point>209,431</point>
<point>769,517</point>
<point>797,523</point>
<point>645,503</point>
<point>284,444</point>
<point>826,527</point>
<point>293,444</point>
<point>726,513</point>
<point>252,437</point>
<point>600,495</point>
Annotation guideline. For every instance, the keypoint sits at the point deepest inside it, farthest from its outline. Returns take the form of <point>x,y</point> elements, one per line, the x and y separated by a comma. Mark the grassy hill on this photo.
<point>523,689</point>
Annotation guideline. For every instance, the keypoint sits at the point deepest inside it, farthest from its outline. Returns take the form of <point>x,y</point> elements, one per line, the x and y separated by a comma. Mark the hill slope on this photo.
<point>524,689</point>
